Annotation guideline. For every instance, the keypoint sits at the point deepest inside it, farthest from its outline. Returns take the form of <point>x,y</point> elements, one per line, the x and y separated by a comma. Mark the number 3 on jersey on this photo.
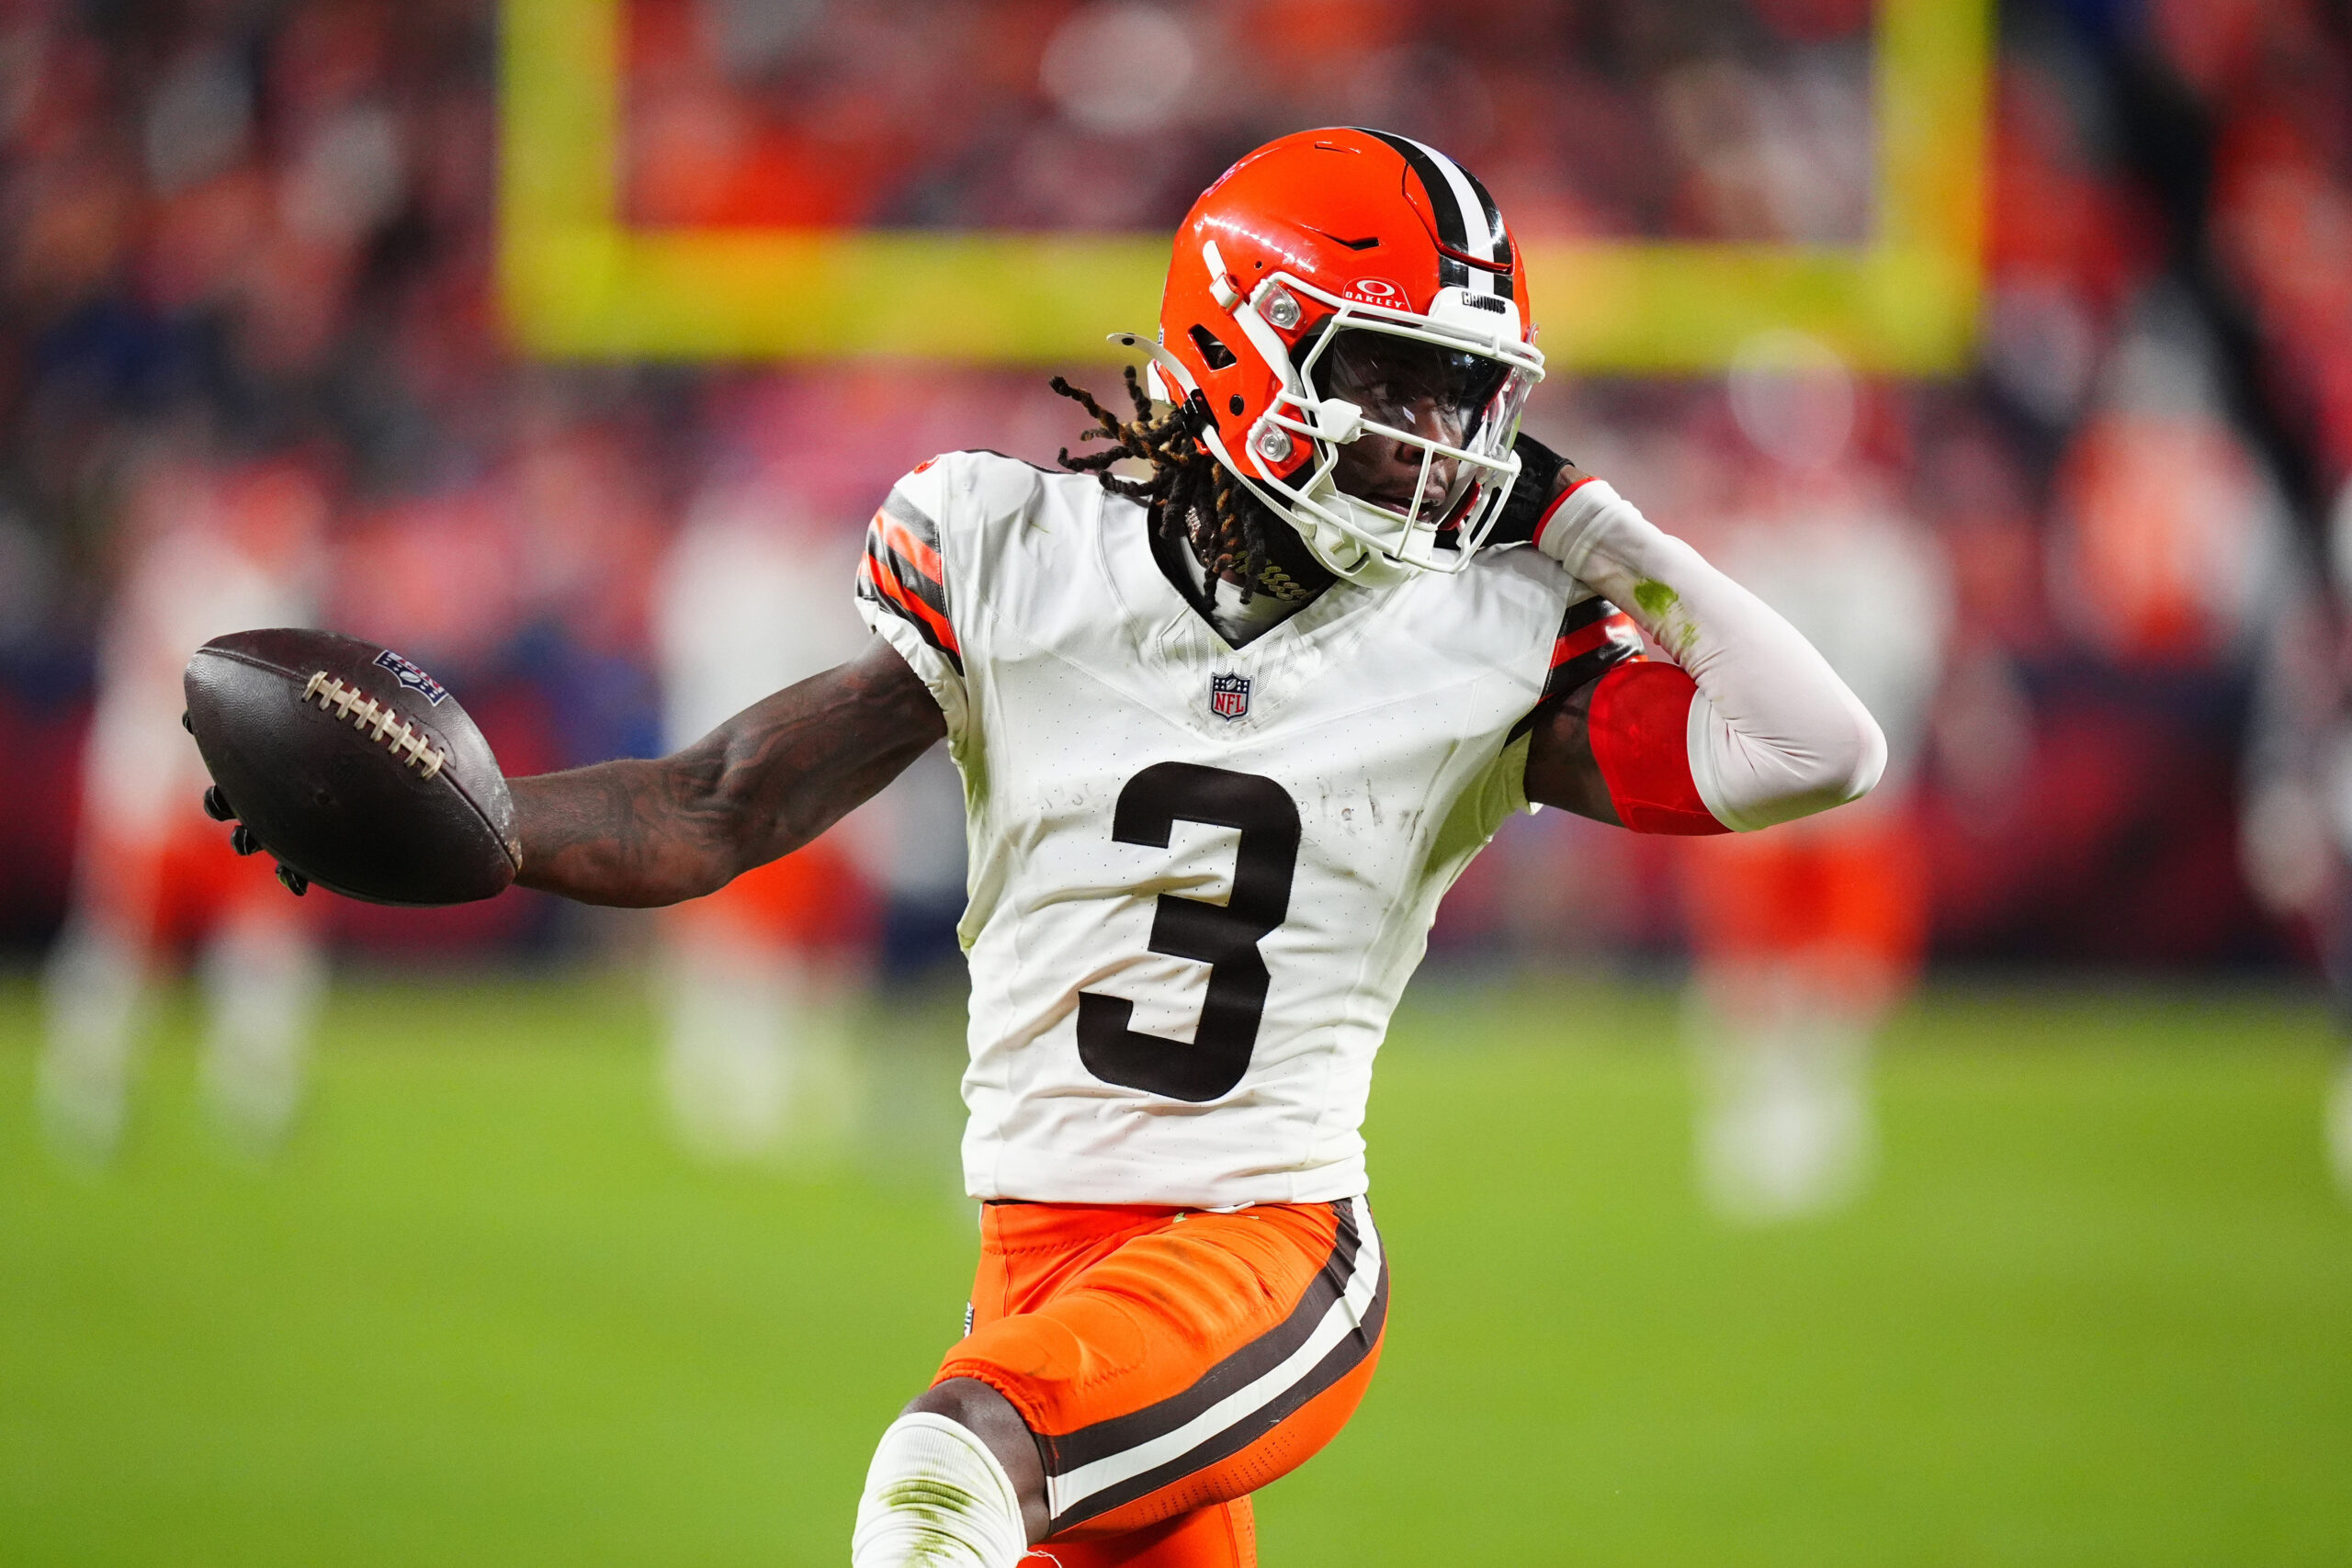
<point>1224,936</point>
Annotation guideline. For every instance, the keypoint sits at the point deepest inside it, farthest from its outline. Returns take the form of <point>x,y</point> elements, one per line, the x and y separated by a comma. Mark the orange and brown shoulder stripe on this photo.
<point>903,572</point>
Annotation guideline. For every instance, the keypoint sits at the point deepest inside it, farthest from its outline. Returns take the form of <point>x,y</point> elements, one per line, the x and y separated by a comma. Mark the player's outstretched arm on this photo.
<point>766,781</point>
<point>1746,726</point>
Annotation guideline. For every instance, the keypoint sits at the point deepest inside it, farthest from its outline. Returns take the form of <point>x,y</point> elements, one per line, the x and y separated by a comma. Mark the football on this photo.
<point>352,766</point>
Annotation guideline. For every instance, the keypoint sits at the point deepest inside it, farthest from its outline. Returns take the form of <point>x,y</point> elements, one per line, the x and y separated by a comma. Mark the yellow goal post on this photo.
<point>576,282</point>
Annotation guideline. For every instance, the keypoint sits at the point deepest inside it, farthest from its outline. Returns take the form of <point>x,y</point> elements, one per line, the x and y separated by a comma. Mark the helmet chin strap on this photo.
<point>1343,556</point>
<point>1338,552</point>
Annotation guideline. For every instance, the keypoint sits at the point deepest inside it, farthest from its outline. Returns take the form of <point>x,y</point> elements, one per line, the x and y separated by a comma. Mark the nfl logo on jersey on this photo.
<point>1229,696</point>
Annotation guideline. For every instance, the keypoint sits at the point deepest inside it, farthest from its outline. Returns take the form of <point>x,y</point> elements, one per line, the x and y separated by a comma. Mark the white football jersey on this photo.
<point>1199,875</point>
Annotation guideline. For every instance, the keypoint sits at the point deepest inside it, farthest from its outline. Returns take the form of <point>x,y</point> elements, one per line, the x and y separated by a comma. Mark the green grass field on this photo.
<point>2096,1311</point>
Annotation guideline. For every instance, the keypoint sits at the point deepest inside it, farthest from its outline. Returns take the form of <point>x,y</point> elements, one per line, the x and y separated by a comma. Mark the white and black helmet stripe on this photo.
<point>1467,219</point>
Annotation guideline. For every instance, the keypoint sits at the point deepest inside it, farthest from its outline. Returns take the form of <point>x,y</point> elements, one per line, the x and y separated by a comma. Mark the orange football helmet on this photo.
<point>1342,285</point>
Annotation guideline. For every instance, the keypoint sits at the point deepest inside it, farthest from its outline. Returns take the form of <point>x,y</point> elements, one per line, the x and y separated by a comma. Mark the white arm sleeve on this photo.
<point>1774,733</point>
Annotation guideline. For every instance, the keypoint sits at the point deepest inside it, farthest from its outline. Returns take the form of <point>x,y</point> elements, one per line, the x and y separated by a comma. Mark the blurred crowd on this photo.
<point>252,369</point>
<point>1707,119</point>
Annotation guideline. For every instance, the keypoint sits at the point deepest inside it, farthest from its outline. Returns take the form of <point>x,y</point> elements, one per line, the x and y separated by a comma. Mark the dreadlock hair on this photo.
<point>1192,497</point>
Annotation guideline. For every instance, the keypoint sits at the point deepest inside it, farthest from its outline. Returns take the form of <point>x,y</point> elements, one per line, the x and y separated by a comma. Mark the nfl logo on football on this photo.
<point>413,677</point>
<point>1229,696</point>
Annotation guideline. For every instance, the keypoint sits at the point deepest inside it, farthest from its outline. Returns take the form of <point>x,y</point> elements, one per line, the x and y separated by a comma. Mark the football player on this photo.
<point>211,547</point>
<point>1807,940</point>
<point>758,980</point>
<point>1227,728</point>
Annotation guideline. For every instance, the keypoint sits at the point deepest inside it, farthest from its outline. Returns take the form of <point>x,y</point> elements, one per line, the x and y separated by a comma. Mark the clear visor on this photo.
<point>1436,432</point>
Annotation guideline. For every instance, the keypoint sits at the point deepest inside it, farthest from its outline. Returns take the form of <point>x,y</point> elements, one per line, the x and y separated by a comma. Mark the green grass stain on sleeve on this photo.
<point>1655,597</point>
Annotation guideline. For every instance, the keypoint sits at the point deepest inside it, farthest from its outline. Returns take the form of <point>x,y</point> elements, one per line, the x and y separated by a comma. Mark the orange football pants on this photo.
<point>1172,1361</point>
<point>177,885</point>
<point>812,898</point>
<point>1843,897</point>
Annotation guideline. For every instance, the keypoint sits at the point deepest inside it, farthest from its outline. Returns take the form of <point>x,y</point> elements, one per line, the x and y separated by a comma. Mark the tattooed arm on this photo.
<point>760,785</point>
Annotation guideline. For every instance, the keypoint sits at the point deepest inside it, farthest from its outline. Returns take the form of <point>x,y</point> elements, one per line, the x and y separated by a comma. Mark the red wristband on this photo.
<point>1640,726</point>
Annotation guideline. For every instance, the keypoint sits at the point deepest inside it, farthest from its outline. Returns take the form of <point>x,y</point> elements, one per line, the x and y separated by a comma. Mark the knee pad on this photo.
<point>935,1495</point>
